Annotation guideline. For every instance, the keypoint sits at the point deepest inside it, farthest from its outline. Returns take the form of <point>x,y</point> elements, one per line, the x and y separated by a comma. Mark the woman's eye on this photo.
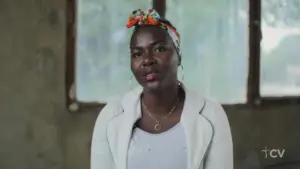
<point>160,49</point>
<point>136,54</point>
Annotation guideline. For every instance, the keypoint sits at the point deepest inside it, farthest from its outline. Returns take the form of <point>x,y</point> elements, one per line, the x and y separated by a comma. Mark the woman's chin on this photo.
<point>153,85</point>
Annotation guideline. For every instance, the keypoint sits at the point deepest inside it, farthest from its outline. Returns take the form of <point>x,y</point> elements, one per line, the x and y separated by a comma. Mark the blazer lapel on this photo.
<point>198,129</point>
<point>120,128</point>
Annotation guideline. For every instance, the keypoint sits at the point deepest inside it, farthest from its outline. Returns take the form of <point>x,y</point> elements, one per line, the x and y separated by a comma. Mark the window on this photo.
<point>280,48</point>
<point>210,64</point>
<point>214,46</point>
<point>102,50</point>
<point>224,56</point>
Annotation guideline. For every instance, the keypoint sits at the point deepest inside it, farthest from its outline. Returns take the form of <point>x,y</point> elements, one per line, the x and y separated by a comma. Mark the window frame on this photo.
<point>255,36</point>
<point>254,99</point>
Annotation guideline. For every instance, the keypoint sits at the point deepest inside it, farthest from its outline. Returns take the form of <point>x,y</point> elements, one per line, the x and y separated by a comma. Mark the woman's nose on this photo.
<point>148,59</point>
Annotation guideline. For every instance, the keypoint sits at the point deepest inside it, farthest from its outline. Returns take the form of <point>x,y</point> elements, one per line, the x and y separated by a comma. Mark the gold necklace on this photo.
<point>157,126</point>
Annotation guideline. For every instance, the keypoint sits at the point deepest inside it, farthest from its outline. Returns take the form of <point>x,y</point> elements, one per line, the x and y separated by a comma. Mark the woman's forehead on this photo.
<point>145,36</point>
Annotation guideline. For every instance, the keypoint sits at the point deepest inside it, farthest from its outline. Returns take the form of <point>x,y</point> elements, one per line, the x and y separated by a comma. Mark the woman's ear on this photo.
<point>179,60</point>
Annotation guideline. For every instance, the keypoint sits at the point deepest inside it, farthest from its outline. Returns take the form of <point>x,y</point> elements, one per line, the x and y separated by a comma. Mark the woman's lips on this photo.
<point>151,77</point>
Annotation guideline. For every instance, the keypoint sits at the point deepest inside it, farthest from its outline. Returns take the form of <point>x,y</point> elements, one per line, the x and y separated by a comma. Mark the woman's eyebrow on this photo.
<point>157,42</point>
<point>134,46</point>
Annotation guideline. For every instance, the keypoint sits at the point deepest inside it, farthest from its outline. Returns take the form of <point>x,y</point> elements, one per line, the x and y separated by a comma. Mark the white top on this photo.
<point>167,150</point>
<point>207,131</point>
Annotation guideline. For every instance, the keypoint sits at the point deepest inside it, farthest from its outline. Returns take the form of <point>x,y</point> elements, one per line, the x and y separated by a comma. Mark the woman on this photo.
<point>162,124</point>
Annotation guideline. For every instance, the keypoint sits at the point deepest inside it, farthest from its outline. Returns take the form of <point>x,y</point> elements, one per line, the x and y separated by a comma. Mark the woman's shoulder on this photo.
<point>112,109</point>
<point>115,104</point>
<point>211,108</point>
<point>196,95</point>
<point>214,112</point>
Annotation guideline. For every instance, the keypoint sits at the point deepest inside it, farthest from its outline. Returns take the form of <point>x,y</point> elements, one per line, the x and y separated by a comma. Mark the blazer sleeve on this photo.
<point>220,153</point>
<point>101,156</point>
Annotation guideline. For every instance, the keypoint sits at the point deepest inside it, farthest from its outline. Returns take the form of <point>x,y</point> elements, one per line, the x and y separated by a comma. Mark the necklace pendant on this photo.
<point>157,127</point>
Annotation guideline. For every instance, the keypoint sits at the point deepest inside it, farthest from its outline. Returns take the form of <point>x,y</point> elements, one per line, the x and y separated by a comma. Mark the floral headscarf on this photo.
<point>151,17</point>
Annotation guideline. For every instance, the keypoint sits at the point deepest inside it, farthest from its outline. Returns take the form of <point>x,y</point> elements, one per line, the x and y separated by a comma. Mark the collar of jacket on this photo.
<point>198,129</point>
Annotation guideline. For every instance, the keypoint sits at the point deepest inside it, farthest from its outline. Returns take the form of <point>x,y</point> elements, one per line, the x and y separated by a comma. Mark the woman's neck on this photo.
<point>162,101</point>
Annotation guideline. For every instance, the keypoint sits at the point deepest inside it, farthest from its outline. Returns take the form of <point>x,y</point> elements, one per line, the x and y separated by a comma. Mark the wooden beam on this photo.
<point>253,89</point>
<point>160,7</point>
<point>70,48</point>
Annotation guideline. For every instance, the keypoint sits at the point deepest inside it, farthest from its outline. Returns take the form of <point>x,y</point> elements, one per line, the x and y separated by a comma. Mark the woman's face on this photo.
<point>154,59</point>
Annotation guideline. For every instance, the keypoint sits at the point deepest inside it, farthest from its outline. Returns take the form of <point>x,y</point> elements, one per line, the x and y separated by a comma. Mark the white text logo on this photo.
<point>273,153</point>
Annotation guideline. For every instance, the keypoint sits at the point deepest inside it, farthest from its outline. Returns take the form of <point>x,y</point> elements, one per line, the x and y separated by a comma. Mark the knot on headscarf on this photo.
<point>139,17</point>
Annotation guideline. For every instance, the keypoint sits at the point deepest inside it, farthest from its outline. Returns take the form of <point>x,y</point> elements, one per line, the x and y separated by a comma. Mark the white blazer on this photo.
<point>209,141</point>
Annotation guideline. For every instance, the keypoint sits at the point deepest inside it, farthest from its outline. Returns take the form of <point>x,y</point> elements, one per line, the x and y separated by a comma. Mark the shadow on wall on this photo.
<point>286,165</point>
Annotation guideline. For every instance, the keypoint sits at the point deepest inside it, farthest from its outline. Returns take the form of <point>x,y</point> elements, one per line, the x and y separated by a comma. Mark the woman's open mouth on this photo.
<point>151,77</point>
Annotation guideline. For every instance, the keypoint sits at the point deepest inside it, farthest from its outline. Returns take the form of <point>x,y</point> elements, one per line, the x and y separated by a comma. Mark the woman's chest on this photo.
<point>167,150</point>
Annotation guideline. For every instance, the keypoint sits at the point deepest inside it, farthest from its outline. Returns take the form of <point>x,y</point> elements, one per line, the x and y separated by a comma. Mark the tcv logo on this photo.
<point>273,153</point>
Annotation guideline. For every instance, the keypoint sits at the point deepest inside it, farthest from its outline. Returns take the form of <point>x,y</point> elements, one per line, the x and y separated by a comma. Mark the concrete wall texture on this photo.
<point>31,89</point>
<point>38,132</point>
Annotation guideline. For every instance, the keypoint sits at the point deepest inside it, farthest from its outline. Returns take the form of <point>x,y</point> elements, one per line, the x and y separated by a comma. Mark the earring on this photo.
<point>130,82</point>
<point>182,76</point>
